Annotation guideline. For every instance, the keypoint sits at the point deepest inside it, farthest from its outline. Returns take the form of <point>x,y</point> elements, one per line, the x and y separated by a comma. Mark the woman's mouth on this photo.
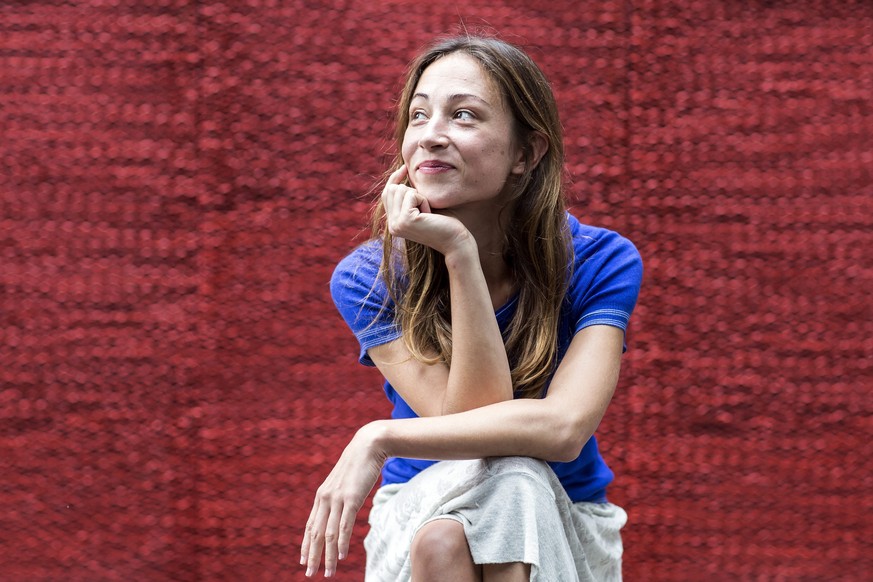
<point>434,167</point>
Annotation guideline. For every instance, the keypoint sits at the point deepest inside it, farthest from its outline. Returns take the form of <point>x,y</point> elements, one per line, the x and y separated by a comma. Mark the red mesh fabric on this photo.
<point>177,180</point>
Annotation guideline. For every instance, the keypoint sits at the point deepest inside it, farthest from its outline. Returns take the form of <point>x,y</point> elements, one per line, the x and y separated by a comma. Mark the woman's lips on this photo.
<point>434,167</point>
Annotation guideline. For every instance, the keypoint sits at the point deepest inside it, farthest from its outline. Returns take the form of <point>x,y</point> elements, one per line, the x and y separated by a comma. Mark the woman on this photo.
<point>497,320</point>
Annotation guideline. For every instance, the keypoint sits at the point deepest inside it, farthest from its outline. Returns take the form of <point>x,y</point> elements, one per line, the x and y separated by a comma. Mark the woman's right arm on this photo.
<point>479,373</point>
<point>554,428</point>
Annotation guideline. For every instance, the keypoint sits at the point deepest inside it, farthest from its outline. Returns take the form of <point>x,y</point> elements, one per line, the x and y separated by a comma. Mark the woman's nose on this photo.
<point>434,133</point>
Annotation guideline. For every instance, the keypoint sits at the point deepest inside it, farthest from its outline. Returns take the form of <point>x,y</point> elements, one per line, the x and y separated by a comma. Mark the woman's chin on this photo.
<point>438,203</point>
<point>435,198</point>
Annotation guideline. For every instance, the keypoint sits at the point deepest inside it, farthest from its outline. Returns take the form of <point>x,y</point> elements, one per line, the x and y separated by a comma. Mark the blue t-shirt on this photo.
<point>603,291</point>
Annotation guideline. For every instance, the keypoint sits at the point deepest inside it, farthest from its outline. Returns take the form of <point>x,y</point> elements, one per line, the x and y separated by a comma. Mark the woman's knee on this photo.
<point>518,465</point>
<point>439,545</point>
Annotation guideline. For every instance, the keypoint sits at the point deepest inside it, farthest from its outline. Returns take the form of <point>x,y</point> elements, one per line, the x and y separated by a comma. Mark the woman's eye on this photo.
<point>464,115</point>
<point>417,115</point>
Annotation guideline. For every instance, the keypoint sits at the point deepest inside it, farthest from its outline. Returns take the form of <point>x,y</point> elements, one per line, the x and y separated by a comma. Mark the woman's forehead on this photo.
<point>454,75</point>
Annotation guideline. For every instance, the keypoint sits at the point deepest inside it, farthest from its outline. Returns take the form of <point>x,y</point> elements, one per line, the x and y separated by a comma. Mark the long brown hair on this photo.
<point>537,246</point>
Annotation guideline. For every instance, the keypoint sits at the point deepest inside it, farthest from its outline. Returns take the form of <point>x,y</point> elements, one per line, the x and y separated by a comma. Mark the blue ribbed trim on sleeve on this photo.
<point>361,299</point>
<point>614,317</point>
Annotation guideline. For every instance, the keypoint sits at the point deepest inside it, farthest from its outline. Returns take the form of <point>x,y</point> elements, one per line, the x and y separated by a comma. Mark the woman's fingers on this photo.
<point>408,215</point>
<point>391,187</point>
<point>328,532</point>
<point>316,534</point>
<point>423,205</point>
<point>402,206</point>
<point>398,175</point>
<point>331,538</point>
<point>304,547</point>
<point>398,195</point>
<point>395,184</point>
<point>409,205</point>
<point>346,525</point>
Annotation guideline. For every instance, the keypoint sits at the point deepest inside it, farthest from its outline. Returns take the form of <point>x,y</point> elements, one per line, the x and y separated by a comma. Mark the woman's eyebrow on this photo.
<point>453,97</point>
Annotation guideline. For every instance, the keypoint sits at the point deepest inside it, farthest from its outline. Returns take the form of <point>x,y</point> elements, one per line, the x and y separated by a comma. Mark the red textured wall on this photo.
<point>178,178</point>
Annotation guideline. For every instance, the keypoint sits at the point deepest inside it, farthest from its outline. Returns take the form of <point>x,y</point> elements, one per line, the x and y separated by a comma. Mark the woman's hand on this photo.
<point>409,216</point>
<point>338,500</point>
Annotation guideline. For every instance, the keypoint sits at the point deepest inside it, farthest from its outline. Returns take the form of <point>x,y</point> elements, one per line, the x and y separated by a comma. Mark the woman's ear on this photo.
<point>530,156</point>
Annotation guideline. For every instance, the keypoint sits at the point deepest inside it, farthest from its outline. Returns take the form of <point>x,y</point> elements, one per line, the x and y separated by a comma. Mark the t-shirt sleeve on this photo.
<point>606,278</point>
<point>360,296</point>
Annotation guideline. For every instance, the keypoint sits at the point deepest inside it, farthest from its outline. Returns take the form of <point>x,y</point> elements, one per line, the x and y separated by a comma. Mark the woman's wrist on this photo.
<point>374,436</point>
<point>464,252</point>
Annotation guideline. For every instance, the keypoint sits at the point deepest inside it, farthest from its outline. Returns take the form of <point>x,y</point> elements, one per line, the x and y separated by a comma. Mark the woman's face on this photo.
<point>459,147</point>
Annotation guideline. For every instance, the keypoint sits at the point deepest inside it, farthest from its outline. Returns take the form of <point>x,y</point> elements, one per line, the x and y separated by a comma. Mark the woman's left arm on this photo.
<point>554,428</point>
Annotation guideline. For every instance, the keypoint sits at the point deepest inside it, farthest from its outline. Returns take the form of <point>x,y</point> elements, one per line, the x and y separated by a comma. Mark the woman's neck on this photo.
<point>488,230</point>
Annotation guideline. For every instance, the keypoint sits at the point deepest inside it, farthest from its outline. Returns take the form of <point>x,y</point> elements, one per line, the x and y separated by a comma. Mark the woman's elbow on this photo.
<point>565,451</point>
<point>569,441</point>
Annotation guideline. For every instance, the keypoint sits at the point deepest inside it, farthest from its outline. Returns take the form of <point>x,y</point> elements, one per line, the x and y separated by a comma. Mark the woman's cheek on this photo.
<point>410,175</point>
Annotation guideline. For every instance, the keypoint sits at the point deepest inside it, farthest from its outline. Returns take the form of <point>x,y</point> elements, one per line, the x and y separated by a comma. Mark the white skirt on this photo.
<point>513,509</point>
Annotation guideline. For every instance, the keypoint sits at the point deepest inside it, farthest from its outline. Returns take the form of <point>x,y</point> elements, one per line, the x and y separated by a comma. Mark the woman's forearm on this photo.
<point>479,373</point>
<point>523,427</point>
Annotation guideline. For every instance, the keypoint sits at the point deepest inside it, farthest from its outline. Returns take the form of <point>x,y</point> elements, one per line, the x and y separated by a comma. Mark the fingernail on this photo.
<point>328,573</point>
<point>309,572</point>
<point>302,560</point>
<point>342,556</point>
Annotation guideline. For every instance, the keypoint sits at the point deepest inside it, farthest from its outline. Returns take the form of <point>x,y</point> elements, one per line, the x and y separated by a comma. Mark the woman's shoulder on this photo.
<point>365,253</point>
<point>589,240</point>
<point>359,269</point>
